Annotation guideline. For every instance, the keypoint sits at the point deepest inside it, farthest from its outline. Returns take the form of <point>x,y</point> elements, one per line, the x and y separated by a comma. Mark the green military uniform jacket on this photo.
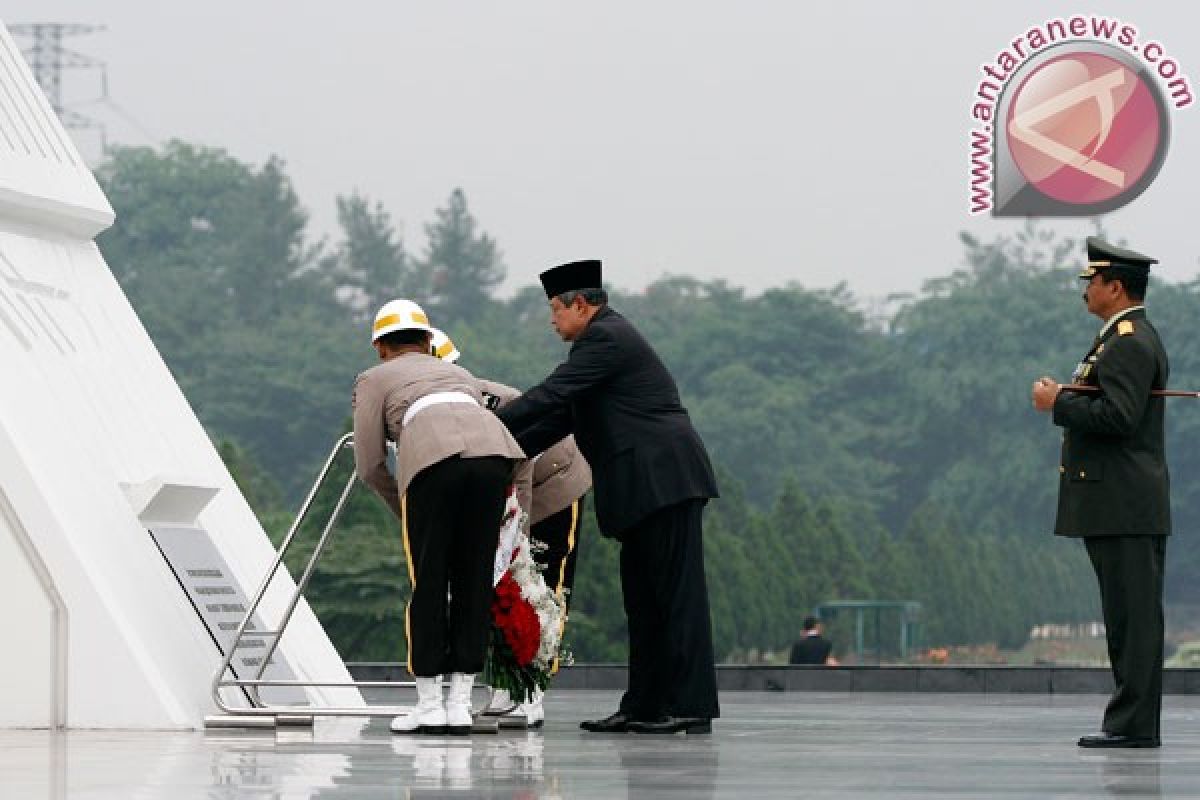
<point>1113,477</point>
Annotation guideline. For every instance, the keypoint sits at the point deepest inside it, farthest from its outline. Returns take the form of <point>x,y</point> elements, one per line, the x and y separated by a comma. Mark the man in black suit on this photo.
<point>651,479</point>
<point>813,648</point>
<point>1114,490</point>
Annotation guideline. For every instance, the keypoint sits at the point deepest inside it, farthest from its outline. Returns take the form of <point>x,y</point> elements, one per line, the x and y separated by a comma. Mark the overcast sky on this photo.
<point>760,142</point>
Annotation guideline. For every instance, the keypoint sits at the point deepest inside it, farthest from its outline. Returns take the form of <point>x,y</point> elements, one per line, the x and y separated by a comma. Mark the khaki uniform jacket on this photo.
<point>383,395</point>
<point>561,475</point>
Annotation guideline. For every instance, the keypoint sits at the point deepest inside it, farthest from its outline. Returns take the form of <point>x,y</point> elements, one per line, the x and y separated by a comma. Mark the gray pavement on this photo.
<point>767,745</point>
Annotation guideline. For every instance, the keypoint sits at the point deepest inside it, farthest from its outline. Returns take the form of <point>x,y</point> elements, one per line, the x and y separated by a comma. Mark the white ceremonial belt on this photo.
<point>434,399</point>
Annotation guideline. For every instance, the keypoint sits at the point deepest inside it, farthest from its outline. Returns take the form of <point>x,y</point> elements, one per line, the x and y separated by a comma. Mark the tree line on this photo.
<point>890,456</point>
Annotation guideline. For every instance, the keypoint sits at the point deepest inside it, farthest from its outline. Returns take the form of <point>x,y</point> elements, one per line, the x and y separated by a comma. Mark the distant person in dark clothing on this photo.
<point>813,648</point>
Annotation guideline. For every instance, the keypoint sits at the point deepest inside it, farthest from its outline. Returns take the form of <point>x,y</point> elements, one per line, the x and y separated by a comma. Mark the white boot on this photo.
<point>535,714</point>
<point>458,704</point>
<point>500,704</point>
<point>429,715</point>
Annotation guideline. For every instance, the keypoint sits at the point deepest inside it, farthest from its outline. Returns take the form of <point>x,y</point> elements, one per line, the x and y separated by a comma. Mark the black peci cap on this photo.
<point>575,275</point>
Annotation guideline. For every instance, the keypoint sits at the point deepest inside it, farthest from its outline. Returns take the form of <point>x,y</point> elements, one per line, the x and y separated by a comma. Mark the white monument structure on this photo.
<point>126,549</point>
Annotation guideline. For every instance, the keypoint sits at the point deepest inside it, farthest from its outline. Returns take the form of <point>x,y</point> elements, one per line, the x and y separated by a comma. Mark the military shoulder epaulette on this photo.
<point>1125,327</point>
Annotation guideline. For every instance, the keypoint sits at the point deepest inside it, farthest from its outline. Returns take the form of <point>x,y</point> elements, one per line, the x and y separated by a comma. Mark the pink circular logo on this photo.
<point>1084,128</point>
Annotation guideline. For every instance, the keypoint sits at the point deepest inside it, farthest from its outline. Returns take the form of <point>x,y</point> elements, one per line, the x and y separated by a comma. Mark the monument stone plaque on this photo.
<point>221,604</point>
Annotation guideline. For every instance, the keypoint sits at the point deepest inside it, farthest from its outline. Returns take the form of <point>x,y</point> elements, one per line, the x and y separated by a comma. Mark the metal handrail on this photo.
<point>250,686</point>
<point>259,708</point>
<point>340,684</point>
<point>302,584</point>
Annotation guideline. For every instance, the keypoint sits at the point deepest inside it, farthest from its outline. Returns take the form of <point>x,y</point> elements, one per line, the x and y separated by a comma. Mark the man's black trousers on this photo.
<point>451,523</point>
<point>671,670</point>
<point>1130,572</point>
<point>559,533</point>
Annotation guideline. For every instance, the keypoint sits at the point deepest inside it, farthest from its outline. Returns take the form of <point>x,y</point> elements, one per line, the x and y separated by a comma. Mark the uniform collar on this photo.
<point>1117,317</point>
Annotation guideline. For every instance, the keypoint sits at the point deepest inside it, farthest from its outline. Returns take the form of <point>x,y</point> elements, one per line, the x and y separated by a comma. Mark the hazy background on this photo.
<point>761,142</point>
<point>864,451</point>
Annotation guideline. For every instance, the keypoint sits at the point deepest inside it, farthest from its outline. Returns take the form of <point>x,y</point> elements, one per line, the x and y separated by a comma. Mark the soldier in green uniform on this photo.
<point>1114,491</point>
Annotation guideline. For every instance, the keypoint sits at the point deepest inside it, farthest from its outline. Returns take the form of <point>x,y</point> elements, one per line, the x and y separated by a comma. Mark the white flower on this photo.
<point>548,606</point>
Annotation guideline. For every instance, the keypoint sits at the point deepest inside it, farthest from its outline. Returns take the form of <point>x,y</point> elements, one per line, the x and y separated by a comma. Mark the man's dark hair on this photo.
<point>593,297</point>
<point>1134,282</point>
<point>407,337</point>
<point>810,623</point>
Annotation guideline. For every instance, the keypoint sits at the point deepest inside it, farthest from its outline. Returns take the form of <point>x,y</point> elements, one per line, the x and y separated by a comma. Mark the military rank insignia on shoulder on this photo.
<point>1125,327</point>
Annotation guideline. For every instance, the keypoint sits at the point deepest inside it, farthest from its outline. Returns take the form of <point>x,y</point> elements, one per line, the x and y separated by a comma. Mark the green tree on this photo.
<point>461,265</point>
<point>860,457</point>
<point>370,264</point>
<point>211,253</point>
<point>203,234</point>
<point>256,485</point>
<point>283,391</point>
<point>974,342</point>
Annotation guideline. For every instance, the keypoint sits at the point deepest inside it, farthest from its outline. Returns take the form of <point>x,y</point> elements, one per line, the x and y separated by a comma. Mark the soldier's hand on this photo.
<point>1045,390</point>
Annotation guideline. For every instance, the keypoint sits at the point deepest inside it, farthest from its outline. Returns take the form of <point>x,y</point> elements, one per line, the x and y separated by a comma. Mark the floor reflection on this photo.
<point>508,765</point>
<point>350,759</point>
<point>766,746</point>
<point>1131,773</point>
<point>679,767</point>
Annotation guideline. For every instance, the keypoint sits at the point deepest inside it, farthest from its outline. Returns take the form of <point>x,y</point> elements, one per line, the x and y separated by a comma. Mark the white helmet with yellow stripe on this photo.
<point>400,315</point>
<point>444,348</point>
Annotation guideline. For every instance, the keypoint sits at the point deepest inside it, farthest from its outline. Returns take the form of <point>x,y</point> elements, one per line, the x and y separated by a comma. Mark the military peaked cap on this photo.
<point>1103,256</point>
<point>575,275</point>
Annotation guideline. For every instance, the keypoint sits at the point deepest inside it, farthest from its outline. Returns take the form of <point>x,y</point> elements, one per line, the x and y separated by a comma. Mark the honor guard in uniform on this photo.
<point>560,479</point>
<point>651,478</point>
<point>1114,491</point>
<point>454,466</point>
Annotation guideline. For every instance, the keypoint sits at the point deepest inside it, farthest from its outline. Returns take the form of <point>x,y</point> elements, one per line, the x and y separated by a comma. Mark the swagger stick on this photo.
<point>1075,387</point>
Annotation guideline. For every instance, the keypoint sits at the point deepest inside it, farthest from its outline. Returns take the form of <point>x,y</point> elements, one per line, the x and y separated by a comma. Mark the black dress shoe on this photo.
<point>617,723</point>
<point>1117,740</point>
<point>672,725</point>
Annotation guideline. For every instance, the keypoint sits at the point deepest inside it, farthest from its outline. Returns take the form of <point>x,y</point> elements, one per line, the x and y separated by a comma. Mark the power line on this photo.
<point>48,58</point>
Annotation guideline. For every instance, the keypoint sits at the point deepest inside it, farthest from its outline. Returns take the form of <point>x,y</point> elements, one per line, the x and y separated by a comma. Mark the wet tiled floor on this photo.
<point>767,745</point>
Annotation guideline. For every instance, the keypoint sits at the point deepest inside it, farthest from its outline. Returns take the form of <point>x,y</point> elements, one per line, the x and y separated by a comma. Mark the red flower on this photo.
<point>516,620</point>
<point>507,593</point>
<point>523,632</point>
